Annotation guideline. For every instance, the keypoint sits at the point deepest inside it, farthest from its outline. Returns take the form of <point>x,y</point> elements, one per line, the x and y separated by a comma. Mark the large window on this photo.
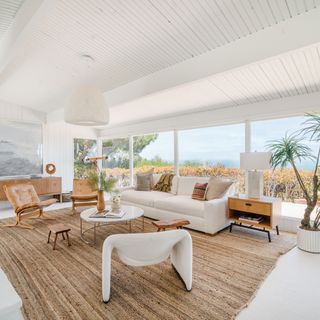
<point>212,151</point>
<point>281,183</point>
<point>154,151</point>
<point>83,148</point>
<point>117,164</point>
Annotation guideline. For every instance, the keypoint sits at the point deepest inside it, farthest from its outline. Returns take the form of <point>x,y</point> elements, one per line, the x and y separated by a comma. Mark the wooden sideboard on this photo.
<point>43,186</point>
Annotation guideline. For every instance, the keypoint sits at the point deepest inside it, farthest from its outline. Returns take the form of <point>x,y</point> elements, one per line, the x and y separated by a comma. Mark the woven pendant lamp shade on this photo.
<point>87,107</point>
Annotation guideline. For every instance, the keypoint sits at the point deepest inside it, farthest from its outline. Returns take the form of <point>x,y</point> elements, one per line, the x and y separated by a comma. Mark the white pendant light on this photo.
<point>87,107</point>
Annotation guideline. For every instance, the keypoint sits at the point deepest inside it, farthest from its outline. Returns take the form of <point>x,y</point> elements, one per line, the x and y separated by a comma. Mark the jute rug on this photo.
<point>66,283</point>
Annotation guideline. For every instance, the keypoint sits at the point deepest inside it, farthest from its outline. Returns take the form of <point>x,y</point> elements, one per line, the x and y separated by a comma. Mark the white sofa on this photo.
<point>206,216</point>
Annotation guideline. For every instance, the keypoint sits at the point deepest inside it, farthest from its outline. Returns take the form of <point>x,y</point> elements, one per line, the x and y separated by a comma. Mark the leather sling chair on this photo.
<point>26,203</point>
<point>82,194</point>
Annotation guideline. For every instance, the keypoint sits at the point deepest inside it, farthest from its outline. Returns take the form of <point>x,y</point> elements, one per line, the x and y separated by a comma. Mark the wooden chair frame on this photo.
<point>83,195</point>
<point>27,209</point>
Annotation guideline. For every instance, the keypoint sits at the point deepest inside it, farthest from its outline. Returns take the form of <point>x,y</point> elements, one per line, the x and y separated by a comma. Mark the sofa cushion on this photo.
<point>186,184</point>
<point>181,204</point>
<point>144,181</point>
<point>156,178</point>
<point>145,198</point>
<point>174,185</point>
<point>217,187</point>
<point>199,191</point>
<point>165,182</point>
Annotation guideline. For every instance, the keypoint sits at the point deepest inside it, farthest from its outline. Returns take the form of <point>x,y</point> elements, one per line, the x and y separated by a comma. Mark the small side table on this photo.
<point>165,224</point>
<point>59,229</point>
<point>267,207</point>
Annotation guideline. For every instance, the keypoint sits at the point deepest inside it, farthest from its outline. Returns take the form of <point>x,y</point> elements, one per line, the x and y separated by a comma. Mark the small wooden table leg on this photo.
<point>55,241</point>
<point>63,236</point>
<point>67,234</point>
<point>49,236</point>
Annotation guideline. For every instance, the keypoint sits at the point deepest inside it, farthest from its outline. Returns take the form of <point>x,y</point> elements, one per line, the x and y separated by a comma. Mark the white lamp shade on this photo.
<point>87,107</point>
<point>255,160</point>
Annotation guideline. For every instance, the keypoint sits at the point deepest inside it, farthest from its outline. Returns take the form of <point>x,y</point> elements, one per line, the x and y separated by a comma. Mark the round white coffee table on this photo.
<point>131,213</point>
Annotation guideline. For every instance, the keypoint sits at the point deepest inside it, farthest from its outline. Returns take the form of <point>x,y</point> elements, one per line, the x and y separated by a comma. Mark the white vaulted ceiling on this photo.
<point>115,42</point>
<point>291,74</point>
<point>8,11</point>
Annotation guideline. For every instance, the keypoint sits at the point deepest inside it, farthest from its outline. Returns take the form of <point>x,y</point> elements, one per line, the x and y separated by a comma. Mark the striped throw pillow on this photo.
<point>199,191</point>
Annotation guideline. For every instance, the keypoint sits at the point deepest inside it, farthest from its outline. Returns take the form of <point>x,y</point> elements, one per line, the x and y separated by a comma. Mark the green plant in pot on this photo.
<point>100,182</point>
<point>290,151</point>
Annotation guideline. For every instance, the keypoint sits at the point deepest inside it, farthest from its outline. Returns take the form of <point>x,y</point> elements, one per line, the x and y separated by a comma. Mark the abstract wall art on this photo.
<point>20,148</point>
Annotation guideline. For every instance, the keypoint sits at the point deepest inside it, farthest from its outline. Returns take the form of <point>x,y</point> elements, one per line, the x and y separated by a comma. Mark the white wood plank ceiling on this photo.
<point>8,11</point>
<point>291,74</point>
<point>130,39</point>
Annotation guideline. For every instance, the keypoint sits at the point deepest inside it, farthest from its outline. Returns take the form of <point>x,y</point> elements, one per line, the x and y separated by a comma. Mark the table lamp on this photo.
<point>255,163</point>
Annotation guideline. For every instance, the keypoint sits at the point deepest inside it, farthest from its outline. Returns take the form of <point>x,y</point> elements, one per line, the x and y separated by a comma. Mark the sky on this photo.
<point>223,144</point>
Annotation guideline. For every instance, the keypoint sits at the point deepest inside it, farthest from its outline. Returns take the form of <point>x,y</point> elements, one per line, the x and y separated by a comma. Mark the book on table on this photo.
<point>108,214</point>
<point>251,219</point>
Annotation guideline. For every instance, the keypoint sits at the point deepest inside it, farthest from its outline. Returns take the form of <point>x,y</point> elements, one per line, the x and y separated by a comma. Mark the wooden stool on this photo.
<point>57,229</point>
<point>165,224</point>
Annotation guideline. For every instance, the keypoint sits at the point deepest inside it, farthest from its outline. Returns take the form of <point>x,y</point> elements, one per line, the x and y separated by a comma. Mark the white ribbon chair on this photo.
<point>144,249</point>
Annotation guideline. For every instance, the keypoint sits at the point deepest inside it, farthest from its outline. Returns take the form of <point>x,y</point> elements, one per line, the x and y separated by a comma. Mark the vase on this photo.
<point>101,205</point>
<point>308,240</point>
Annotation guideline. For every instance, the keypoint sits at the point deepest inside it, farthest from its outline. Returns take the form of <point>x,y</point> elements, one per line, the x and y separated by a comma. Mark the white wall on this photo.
<point>9,111</point>
<point>58,145</point>
<point>57,137</point>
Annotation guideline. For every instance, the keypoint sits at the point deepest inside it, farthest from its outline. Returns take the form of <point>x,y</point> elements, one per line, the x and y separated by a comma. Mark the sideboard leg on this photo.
<point>277,228</point>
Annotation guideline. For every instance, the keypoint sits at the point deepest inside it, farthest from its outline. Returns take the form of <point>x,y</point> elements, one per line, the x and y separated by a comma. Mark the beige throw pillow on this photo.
<point>144,182</point>
<point>217,187</point>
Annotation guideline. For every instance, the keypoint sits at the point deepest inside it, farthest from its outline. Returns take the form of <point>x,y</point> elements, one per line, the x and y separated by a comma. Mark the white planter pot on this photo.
<point>308,240</point>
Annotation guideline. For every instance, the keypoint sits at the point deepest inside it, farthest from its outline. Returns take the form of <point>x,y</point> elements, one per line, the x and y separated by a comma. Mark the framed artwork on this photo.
<point>20,148</point>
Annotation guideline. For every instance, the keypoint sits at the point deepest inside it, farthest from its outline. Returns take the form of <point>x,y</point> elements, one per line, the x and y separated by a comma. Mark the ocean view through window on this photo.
<point>212,151</point>
<point>154,151</point>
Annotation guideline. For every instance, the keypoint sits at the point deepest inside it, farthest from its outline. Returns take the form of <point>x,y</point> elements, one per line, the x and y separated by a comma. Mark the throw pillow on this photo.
<point>217,187</point>
<point>199,191</point>
<point>144,181</point>
<point>165,182</point>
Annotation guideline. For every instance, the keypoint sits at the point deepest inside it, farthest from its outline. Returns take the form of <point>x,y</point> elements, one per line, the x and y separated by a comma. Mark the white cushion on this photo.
<point>145,198</point>
<point>156,178</point>
<point>186,184</point>
<point>174,186</point>
<point>217,187</point>
<point>181,204</point>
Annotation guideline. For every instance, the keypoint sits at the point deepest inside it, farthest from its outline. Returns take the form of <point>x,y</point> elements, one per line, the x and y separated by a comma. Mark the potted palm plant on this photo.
<point>289,151</point>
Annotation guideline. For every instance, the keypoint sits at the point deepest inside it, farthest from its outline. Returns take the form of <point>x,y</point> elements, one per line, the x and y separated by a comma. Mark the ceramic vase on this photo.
<point>101,205</point>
